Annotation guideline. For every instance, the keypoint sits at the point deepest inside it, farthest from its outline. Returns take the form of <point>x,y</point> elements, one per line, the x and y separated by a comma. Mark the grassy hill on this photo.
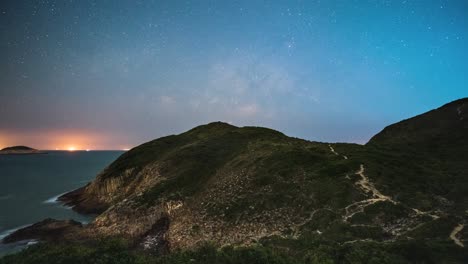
<point>225,194</point>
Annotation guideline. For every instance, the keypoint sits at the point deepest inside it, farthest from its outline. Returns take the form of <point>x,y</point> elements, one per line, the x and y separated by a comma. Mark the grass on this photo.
<point>234,174</point>
<point>306,250</point>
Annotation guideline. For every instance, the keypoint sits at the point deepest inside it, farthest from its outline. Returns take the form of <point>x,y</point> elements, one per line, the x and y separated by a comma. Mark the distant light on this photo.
<point>87,150</point>
<point>125,149</point>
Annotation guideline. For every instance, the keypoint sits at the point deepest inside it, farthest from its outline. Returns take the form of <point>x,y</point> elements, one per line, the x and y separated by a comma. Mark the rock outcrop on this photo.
<point>46,230</point>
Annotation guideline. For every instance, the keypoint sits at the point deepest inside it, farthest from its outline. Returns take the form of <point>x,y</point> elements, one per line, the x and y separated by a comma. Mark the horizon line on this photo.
<point>83,150</point>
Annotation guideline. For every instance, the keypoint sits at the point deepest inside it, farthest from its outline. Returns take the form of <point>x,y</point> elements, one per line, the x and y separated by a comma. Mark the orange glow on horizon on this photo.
<point>64,140</point>
<point>71,148</point>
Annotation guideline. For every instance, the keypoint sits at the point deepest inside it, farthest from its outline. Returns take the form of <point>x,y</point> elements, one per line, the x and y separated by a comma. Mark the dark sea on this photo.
<point>30,185</point>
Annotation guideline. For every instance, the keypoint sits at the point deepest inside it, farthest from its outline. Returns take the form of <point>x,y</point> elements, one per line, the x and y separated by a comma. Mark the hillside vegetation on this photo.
<point>225,194</point>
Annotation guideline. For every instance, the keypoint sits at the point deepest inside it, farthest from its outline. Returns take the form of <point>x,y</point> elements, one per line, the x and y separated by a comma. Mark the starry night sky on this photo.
<point>112,74</point>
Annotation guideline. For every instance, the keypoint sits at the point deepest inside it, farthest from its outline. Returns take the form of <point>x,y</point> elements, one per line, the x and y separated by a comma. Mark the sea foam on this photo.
<point>10,231</point>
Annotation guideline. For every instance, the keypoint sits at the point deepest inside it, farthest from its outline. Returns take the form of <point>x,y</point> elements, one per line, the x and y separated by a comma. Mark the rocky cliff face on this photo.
<point>237,186</point>
<point>105,191</point>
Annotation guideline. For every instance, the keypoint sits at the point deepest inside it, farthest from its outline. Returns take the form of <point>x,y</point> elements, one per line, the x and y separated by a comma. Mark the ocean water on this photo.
<point>30,184</point>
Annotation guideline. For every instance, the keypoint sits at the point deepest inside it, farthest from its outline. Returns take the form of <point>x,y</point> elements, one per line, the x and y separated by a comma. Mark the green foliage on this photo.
<point>439,228</point>
<point>299,173</point>
<point>209,254</point>
<point>305,250</point>
<point>103,252</point>
<point>195,163</point>
<point>424,157</point>
<point>369,253</point>
<point>420,163</point>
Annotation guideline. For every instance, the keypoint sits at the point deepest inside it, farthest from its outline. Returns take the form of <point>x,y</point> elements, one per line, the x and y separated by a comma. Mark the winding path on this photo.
<point>419,212</point>
<point>454,233</point>
<point>333,150</point>
<point>336,153</point>
<point>367,187</point>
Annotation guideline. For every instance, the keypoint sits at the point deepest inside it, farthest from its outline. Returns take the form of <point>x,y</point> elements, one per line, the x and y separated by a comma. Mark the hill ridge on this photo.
<point>251,186</point>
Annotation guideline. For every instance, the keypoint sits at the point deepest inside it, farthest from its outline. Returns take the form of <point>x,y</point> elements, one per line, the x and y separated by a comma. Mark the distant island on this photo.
<point>20,150</point>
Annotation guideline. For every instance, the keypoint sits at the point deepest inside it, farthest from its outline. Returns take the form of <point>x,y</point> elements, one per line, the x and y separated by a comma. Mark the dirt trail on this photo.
<point>454,233</point>
<point>336,153</point>
<point>358,240</point>
<point>419,212</point>
<point>368,188</point>
<point>333,150</point>
<point>298,226</point>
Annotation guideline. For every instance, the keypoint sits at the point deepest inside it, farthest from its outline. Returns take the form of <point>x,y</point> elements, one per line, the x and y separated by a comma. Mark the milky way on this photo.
<point>113,74</point>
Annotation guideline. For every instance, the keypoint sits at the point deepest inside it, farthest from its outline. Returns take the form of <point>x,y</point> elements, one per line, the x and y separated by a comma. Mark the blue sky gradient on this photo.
<point>118,73</point>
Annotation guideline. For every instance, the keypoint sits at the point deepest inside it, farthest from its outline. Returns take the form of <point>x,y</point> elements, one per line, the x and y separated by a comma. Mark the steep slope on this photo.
<point>441,130</point>
<point>219,183</point>
<point>425,157</point>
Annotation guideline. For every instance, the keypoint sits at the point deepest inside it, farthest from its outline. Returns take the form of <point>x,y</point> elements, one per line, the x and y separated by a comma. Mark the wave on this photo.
<point>32,242</point>
<point>7,249</point>
<point>53,200</point>
<point>10,231</point>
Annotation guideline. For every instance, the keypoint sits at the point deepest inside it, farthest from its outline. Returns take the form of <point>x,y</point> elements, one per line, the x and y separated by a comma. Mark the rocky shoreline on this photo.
<point>45,230</point>
<point>81,204</point>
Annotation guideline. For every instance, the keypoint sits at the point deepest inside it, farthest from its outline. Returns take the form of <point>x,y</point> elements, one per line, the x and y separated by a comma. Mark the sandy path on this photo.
<point>333,150</point>
<point>419,212</point>
<point>368,188</point>
<point>454,233</point>
<point>336,153</point>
